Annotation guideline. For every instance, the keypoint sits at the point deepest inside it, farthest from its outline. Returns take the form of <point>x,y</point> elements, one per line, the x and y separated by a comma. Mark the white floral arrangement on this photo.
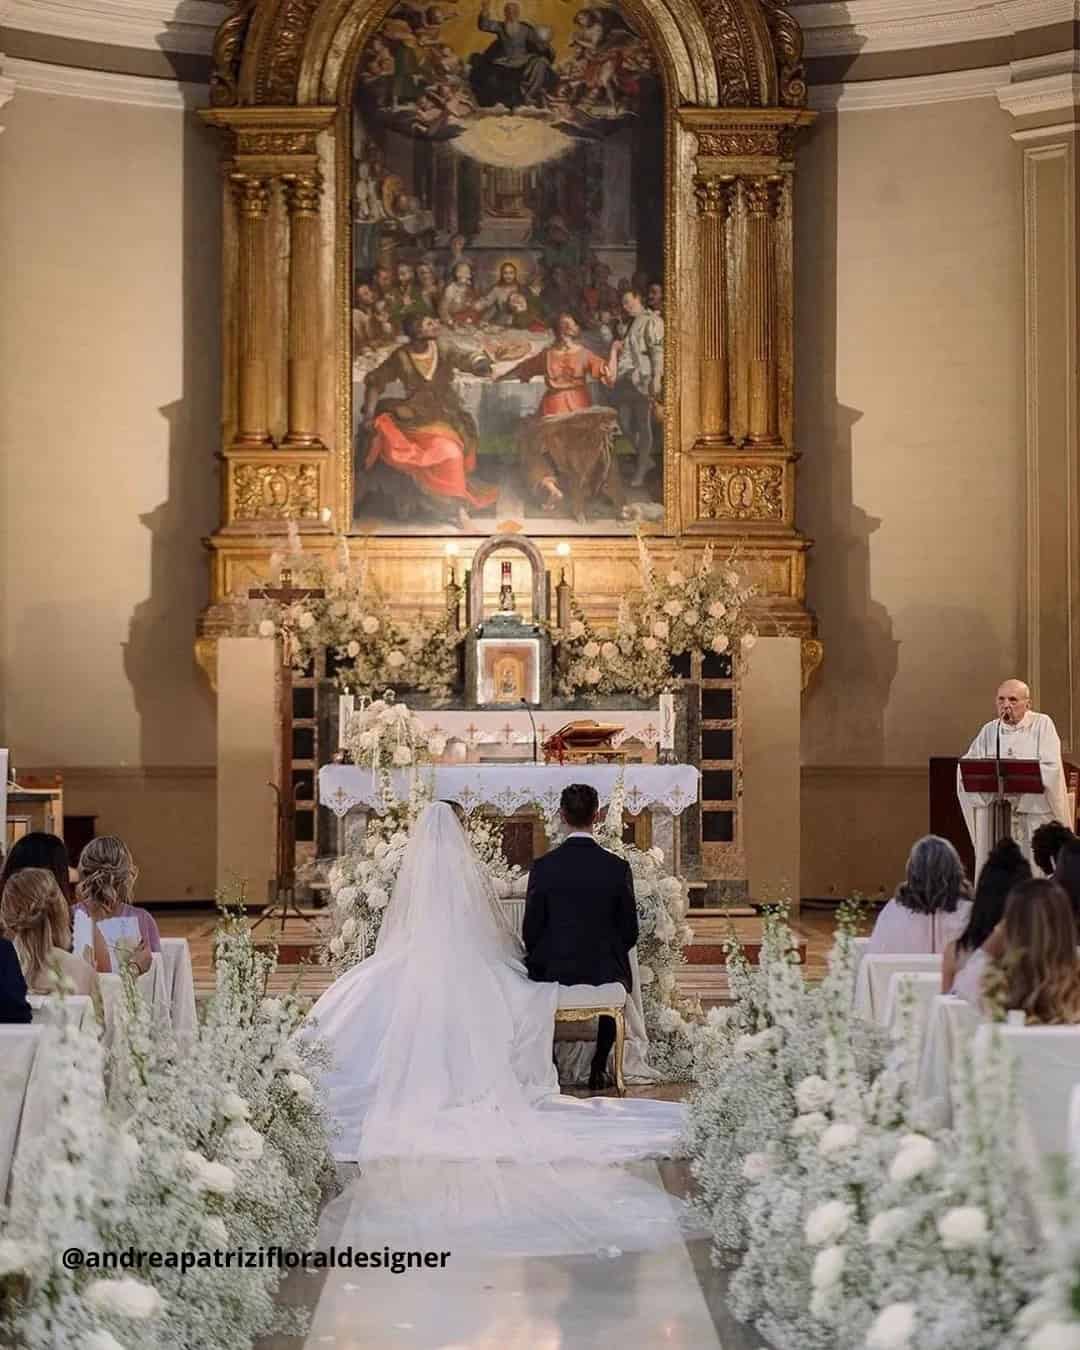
<point>1051,1321</point>
<point>703,608</point>
<point>222,1146</point>
<point>385,735</point>
<point>373,649</point>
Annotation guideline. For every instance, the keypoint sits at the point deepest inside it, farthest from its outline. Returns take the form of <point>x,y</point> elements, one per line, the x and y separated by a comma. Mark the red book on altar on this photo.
<point>1018,776</point>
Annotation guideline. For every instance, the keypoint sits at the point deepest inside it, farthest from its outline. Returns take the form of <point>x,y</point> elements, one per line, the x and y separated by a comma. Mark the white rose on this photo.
<point>656,854</point>
<point>963,1226</point>
<point>348,929</point>
<point>674,608</point>
<point>577,628</point>
<point>670,1019</point>
<point>336,946</point>
<point>307,621</point>
<point>756,1166</point>
<point>887,1226</point>
<point>917,1154</point>
<point>233,1106</point>
<point>370,624</point>
<point>661,628</point>
<point>828,1267</point>
<point>287,1060</point>
<point>402,755</point>
<point>732,578</point>
<point>395,659</point>
<point>721,644</point>
<point>674,896</point>
<point>1055,1336</point>
<point>267,628</point>
<point>646,974</point>
<point>827,1222</point>
<point>664,928</point>
<point>369,740</point>
<point>667,981</point>
<point>124,1298</point>
<point>691,618</point>
<point>353,649</point>
<point>749,641</point>
<point>347,896</point>
<point>301,1086</point>
<point>812,1093</point>
<point>812,1123</point>
<point>101,1340</point>
<point>675,578</point>
<point>593,675</point>
<point>650,644</point>
<point>609,651</point>
<point>892,1328</point>
<point>244,1143</point>
<point>591,649</point>
<point>377,898</point>
<point>717,609</point>
<point>837,1139</point>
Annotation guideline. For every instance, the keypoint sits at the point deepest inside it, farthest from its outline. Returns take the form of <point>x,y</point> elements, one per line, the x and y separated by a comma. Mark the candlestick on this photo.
<point>667,722</point>
<point>468,601</point>
<point>346,704</point>
<point>562,602</point>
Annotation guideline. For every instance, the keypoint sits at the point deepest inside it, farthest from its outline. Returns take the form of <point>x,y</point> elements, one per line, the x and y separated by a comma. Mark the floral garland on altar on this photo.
<point>386,734</point>
<point>221,1145</point>
<point>373,649</point>
<point>702,609</point>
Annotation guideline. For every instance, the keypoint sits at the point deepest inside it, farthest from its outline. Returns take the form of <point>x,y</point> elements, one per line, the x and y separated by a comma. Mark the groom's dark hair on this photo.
<point>580,804</point>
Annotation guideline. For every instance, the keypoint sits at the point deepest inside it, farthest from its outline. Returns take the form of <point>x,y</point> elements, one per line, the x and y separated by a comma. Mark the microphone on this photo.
<point>532,722</point>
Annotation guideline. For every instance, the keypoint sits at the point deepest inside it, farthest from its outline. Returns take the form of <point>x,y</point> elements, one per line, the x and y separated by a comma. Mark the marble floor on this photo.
<point>670,1296</point>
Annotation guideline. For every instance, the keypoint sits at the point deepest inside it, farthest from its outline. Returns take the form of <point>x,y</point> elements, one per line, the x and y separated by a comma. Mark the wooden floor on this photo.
<point>298,966</point>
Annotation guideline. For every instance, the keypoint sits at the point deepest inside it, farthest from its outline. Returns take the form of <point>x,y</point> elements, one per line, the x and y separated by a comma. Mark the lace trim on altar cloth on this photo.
<point>508,788</point>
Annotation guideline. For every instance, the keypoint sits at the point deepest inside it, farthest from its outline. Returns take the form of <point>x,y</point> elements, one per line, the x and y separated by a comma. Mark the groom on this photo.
<point>580,915</point>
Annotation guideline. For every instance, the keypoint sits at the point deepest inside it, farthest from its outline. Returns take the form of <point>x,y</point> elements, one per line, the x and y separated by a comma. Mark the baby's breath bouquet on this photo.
<point>386,735</point>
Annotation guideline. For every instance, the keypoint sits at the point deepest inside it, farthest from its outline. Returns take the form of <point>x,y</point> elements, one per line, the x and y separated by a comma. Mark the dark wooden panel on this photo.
<point>946,818</point>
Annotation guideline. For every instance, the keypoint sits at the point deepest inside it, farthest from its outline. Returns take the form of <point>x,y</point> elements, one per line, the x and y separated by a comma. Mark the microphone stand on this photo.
<point>532,722</point>
<point>1001,817</point>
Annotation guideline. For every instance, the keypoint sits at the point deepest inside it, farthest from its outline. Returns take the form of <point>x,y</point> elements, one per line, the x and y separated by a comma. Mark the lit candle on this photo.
<point>346,703</point>
<point>667,721</point>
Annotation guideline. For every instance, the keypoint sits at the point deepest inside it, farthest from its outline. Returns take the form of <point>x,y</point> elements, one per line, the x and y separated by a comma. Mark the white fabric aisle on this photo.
<point>482,1300</point>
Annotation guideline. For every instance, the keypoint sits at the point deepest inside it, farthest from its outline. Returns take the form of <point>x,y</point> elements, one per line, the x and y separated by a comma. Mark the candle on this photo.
<point>562,603</point>
<point>345,704</point>
<point>667,721</point>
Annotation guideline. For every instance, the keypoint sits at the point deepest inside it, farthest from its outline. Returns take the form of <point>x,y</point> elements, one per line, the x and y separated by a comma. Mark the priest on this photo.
<point>1021,734</point>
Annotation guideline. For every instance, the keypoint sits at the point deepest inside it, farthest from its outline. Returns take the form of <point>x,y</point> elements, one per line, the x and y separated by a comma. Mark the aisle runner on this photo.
<point>636,1300</point>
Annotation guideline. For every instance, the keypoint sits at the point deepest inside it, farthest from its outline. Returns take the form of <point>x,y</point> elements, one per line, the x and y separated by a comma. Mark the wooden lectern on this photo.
<point>1001,779</point>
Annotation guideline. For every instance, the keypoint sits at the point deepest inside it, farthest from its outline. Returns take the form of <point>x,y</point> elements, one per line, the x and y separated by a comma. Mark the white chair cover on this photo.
<point>1047,1061</point>
<point>875,972</point>
<point>591,996</point>
<point>151,987</point>
<point>949,1028</point>
<point>18,1053</point>
<point>924,987</point>
<point>179,983</point>
<point>79,1006</point>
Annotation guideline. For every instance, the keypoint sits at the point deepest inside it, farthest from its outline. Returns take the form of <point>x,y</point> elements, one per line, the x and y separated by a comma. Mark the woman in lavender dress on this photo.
<point>930,908</point>
<point>107,876</point>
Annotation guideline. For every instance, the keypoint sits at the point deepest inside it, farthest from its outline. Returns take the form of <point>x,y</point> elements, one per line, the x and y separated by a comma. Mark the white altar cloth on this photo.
<point>511,726</point>
<point>508,787</point>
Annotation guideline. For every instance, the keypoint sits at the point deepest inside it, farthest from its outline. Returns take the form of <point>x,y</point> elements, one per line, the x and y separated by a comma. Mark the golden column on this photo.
<point>762,198</point>
<point>252,191</point>
<point>714,197</point>
<point>303,193</point>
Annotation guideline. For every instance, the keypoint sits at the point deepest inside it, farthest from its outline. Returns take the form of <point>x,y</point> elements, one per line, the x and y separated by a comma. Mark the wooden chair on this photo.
<point>578,1008</point>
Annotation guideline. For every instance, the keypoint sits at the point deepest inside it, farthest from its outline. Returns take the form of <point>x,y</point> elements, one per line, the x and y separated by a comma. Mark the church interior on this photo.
<point>673,402</point>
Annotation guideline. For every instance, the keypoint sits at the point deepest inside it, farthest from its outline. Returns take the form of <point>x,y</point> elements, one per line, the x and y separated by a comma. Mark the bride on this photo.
<point>441,1045</point>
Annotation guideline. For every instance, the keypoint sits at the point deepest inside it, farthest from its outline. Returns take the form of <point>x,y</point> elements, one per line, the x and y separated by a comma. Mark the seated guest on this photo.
<point>106,888</point>
<point>1036,971</point>
<point>1004,867</point>
<point>13,1004</point>
<point>1067,873</point>
<point>38,849</point>
<point>36,918</point>
<point>1047,843</point>
<point>930,909</point>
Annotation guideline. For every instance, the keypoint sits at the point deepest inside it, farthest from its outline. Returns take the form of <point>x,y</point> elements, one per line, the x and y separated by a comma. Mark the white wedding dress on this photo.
<point>442,1084</point>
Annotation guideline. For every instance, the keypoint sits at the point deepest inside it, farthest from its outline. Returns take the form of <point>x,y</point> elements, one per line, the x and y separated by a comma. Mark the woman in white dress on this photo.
<point>931,906</point>
<point>441,1053</point>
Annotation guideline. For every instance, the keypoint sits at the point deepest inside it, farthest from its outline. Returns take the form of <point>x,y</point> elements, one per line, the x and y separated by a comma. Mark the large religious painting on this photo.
<point>508,228</point>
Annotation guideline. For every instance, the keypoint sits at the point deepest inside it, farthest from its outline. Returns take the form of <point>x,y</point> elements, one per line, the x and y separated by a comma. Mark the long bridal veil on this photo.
<point>443,1085</point>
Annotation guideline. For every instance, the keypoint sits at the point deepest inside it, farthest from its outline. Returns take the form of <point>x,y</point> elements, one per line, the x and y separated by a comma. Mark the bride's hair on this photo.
<point>457,809</point>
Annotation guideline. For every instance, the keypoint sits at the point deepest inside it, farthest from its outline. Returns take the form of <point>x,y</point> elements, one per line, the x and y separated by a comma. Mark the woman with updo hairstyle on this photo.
<point>38,849</point>
<point>106,888</point>
<point>35,917</point>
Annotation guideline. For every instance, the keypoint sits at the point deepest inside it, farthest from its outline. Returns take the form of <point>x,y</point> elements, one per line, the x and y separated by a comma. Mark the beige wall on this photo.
<point>109,249</point>
<point>910,405</point>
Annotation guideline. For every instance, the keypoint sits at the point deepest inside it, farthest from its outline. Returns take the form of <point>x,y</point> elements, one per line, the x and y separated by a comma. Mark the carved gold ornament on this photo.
<point>741,492</point>
<point>275,492</point>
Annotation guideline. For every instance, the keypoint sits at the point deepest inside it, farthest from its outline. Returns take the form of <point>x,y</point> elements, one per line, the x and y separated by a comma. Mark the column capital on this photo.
<point>252,192</point>
<point>762,194</point>
<point>714,195</point>
<point>303,192</point>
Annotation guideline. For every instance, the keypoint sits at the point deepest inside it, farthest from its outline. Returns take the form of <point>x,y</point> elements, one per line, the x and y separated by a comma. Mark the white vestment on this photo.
<point>1035,737</point>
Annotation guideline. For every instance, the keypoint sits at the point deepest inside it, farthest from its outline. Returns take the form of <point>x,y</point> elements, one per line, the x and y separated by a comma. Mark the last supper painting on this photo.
<point>507,270</point>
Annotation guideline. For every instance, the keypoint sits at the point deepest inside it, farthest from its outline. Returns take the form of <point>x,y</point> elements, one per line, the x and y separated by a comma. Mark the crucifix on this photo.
<point>284,898</point>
